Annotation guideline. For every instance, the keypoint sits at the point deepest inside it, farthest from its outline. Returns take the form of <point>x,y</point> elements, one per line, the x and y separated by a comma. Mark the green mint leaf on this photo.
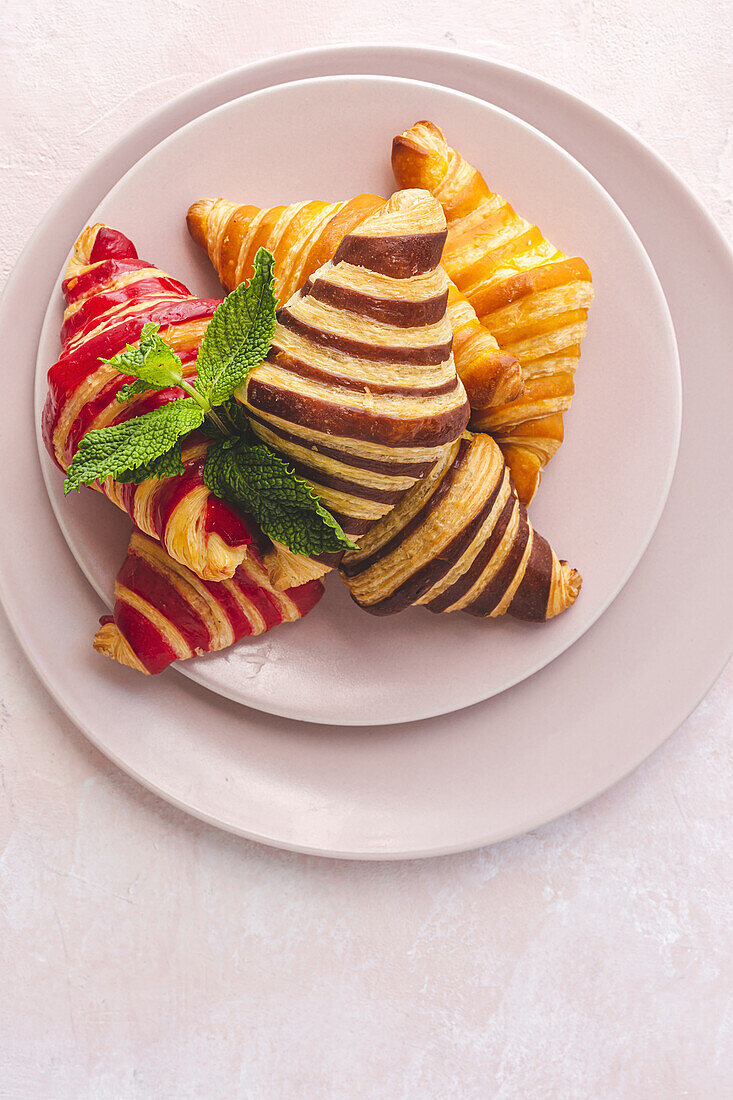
<point>169,464</point>
<point>132,389</point>
<point>118,448</point>
<point>286,507</point>
<point>239,333</point>
<point>153,362</point>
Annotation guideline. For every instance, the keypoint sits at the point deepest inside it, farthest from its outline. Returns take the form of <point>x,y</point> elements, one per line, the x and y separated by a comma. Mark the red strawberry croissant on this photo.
<point>163,612</point>
<point>110,295</point>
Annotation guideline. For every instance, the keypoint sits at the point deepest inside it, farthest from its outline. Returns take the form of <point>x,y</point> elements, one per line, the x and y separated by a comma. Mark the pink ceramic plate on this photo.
<point>340,665</point>
<point>490,771</point>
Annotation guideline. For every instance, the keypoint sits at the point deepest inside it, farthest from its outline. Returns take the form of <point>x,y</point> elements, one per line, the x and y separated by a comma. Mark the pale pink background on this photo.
<point>143,954</point>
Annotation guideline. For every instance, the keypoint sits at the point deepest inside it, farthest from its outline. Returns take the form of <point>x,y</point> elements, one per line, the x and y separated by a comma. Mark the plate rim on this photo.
<point>285,709</point>
<point>411,55</point>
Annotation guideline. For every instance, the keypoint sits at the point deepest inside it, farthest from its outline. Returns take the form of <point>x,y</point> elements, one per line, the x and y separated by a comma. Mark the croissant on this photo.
<point>359,390</point>
<point>460,540</point>
<point>110,294</point>
<point>303,237</point>
<point>531,296</point>
<point>163,612</point>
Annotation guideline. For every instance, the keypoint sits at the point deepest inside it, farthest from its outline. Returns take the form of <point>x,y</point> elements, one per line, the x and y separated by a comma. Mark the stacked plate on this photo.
<point>370,738</point>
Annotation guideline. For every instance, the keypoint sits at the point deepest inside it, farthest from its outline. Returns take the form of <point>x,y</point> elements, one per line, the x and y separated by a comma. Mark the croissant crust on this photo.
<point>461,541</point>
<point>359,390</point>
<point>110,294</point>
<point>529,294</point>
<point>306,235</point>
<point>163,612</point>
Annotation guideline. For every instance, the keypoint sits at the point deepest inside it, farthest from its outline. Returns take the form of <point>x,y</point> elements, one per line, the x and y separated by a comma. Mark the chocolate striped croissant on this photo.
<point>110,294</point>
<point>163,612</point>
<point>531,296</point>
<point>461,541</point>
<point>304,236</point>
<point>359,390</point>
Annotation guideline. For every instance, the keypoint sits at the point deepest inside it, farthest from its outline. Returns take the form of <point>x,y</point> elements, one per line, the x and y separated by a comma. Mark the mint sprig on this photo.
<point>287,509</point>
<point>237,338</point>
<point>153,364</point>
<point>238,468</point>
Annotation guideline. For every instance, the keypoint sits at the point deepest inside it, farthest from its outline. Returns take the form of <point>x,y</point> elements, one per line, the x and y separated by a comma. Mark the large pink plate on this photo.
<point>341,666</point>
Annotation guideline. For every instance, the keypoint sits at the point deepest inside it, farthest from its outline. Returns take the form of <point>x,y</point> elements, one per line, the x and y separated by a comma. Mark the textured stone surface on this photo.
<point>143,954</point>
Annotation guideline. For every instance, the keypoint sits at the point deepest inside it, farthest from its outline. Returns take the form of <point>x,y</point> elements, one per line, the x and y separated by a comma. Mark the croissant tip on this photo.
<point>287,570</point>
<point>505,383</point>
<point>514,382</point>
<point>422,124</point>
<point>83,246</point>
<point>572,580</point>
<point>411,154</point>
<point>197,219</point>
<point>404,146</point>
<point>111,642</point>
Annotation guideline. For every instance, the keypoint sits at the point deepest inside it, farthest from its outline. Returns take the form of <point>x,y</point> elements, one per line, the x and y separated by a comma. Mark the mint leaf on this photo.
<point>239,334</point>
<point>137,442</point>
<point>284,505</point>
<point>169,464</point>
<point>132,389</point>
<point>154,363</point>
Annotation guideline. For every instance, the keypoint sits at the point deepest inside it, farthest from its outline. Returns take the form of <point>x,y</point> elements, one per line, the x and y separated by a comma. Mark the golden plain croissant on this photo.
<point>359,390</point>
<point>110,294</point>
<point>163,612</point>
<point>531,296</point>
<point>460,540</point>
<point>304,236</point>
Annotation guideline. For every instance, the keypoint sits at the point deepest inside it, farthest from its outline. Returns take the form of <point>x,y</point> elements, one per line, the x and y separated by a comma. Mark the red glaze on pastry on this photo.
<point>163,612</point>
<point>110,294</point>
